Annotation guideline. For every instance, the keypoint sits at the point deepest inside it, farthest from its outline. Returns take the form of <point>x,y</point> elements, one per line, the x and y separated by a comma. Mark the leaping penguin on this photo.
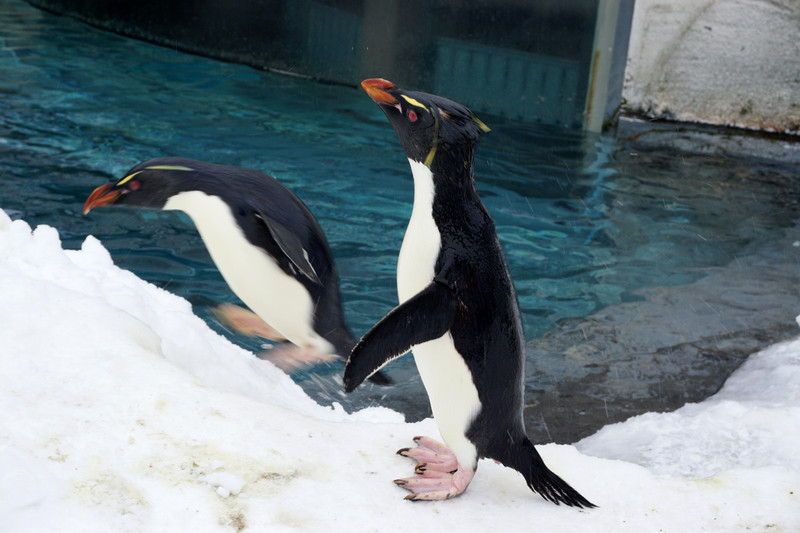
<point>265,242</point>
<point>458,310</point>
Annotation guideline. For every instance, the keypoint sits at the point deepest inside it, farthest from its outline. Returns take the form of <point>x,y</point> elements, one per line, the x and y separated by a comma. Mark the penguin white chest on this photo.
<point>447,379</point>
<point>254,276</point>
<point>422,241</point>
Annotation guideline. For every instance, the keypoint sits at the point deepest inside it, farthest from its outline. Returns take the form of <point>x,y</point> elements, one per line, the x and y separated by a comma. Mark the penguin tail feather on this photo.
<point>527,461</point>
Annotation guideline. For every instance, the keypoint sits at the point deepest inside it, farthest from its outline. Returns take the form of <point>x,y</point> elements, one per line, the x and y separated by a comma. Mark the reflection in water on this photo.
<point>610,241</point>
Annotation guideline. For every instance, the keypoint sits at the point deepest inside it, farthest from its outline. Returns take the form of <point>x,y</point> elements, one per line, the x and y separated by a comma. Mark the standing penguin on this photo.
<point>265,242</point>
<point>458,310</point>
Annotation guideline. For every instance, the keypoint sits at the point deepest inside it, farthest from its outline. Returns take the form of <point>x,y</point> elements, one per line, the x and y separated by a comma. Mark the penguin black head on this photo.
<point>148,184</point>
<point>425,122</point>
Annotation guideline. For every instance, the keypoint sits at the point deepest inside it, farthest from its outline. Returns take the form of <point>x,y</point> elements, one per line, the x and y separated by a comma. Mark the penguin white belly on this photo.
<point>254,276</point>
<point>447,379</point>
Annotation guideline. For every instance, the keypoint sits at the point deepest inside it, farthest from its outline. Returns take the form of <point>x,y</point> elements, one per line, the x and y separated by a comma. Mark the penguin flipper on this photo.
<point>289,244</point>
<point>426,316</point>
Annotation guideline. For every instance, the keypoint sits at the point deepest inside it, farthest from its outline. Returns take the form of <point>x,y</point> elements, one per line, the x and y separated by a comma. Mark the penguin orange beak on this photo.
<point>376,89</point>
<point>100,196</point>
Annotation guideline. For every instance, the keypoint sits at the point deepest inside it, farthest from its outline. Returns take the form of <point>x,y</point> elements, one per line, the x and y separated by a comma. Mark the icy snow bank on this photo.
<point>753,421</point>
<point>121,411</point>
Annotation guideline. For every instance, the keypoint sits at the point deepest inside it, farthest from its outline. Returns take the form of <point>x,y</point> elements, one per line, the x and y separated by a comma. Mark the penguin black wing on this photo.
<point>289,244</point>
<point>426,316</point>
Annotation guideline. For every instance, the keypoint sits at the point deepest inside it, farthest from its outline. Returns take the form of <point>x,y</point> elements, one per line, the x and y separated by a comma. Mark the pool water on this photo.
<point>594,227</point>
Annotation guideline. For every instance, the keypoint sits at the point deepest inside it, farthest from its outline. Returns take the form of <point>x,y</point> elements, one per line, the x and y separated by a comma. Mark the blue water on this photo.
<point>585,220</point>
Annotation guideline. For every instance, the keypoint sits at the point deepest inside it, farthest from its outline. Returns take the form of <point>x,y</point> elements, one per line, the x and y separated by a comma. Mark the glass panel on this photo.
<point>522,59</point>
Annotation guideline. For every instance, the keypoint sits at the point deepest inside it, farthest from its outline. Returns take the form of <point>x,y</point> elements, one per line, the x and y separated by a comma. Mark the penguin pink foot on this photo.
<point>286,357</point>
<point>431,455</point>
<point>246,322</point>
<point>290,358</point>
<point>439,476</point>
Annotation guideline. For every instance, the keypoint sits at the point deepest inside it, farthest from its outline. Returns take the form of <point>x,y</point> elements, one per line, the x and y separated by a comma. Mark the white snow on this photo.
<point>121,411</point>
<point>225,482</point>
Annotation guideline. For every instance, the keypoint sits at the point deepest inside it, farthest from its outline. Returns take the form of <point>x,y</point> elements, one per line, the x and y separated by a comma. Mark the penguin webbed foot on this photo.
<point>290,358</point>
<point>245,322</point>
<point>287,358</point>
<point>432,454</point>
<point>432,485</point>
<point>438,474</point>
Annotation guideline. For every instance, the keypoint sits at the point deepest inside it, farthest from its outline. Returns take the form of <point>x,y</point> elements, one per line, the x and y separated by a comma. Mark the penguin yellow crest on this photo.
<point>127,178</point>
<point>169,167</point>
<point>484,128</point>
<point>413,102</point>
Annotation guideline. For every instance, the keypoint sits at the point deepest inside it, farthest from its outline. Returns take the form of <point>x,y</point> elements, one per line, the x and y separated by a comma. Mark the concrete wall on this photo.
<point>727,62</point>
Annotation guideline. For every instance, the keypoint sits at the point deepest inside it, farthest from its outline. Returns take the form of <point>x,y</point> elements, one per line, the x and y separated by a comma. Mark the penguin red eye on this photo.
<point>412,115</point>
<point>134,185</point>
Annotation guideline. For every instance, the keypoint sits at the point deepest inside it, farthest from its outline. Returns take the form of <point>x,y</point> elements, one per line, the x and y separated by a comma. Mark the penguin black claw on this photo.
<point>458,308</point>
<point>265,242</point>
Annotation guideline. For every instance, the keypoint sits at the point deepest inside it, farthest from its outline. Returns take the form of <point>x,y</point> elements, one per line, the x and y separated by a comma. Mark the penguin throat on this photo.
<point>424,189</point>
<point>422,241</point>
